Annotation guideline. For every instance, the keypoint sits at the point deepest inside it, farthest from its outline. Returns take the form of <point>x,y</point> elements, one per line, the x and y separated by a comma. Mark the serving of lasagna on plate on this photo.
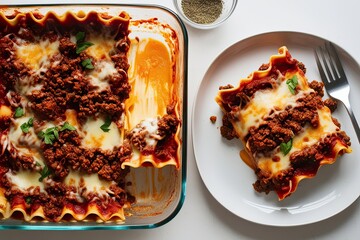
<point>285,126</point>
<point>84,98</point>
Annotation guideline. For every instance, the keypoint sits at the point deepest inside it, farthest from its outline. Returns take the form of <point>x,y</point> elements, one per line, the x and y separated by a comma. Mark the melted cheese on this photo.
<point>266,101</point>
<point>311,135</point>
<point>27,144</point>
<point>98,76</point>
<point>88,182</point>
<point>308,137</point>
<point>101,48</point>
<point>150,76</point>
<point>37,55</point>
<point>5,111</point>
<point>95,137</point>
<point>26,85</point>
<point>24,180</point>
<point>148,128</point>
<point>71,118</point>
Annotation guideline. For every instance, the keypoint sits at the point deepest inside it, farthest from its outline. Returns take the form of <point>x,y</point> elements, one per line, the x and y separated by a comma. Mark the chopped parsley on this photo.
<point>292,83</point>
<point>49,135</point>
<point>52,134</point>
<point>19,112</point>
<point>87,64</point>
<point>286,147</point>
<point>25,127</point>
<point>67,126</point>
<point>80,36</point>
<point>28,200</point>
<point>106,125</point>
<point>81,44</point>
<point>45,172</point>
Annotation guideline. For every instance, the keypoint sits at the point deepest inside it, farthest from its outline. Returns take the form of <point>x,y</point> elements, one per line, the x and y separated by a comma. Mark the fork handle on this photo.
<point>353,119</point>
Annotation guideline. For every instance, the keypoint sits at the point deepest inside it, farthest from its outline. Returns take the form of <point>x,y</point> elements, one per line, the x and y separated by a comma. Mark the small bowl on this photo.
<point>228,7</point>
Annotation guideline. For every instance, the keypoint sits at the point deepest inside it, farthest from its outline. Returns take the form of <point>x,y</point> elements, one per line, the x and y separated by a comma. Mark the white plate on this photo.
<point>230,180</point>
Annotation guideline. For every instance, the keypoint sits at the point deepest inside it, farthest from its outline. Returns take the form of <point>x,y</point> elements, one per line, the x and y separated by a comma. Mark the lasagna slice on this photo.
<point>287,130</point>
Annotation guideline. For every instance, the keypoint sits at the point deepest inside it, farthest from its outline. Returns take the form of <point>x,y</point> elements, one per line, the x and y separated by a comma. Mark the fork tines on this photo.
<point>329,63</point>
<point>334,78</point>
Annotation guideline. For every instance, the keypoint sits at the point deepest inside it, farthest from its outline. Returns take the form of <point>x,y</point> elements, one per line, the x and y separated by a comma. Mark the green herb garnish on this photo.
<point>28,200</point>
<point>292,83</point>
<point>25,127</point>
<point>67,126</point>
<point>87,64</point>
<point>49,135</point>
<point>80,36</point>
<point>52,134</point>
<point>44,173</point>
<point>81,45</point>
<point>19,112</point>
<point>286,147</point>
<point>106,125</point>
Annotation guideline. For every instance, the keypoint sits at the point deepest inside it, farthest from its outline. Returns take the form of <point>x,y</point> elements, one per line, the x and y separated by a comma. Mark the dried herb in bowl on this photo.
<point>202,11</point>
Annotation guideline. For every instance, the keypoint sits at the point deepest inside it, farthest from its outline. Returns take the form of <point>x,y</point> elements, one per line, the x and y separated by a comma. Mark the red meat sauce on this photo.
<point>65,86</point>
<point>303,163</point>
<point>240,96</point>
<point>167,147</point>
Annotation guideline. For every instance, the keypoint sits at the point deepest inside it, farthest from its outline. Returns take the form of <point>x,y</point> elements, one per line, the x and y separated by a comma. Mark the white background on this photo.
<point>202,217</point>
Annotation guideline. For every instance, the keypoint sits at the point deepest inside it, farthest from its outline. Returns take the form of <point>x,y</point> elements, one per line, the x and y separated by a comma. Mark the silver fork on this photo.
<point>334,78</point>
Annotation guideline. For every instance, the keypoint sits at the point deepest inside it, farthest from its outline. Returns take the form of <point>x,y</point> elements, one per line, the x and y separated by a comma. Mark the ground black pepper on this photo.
<point>202,11</point>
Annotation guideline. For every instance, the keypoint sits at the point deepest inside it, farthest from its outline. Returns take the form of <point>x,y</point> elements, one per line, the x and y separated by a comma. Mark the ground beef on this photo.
<point>282,127</point>
<point>301,66</point>
<point>16,161</point>
<point>331,104</point>
<point>213,119</point>
<point>252,87</point>
<point>165,147</point>
<point>264,182</point>
<point>239,97</point>
<point>305,155</point>
<point>318,87</point>
<point>66,46</point>
<point>227,130</point>
<point>120,61</point>
<point>67,153</point>
<point>10,68</point>
<point>45,106</point>
<point>14,99</point>
<point>267,183</point>
<point>167,125</point>
<point>229,86</point>
<point>118,193</point>
<point>67,86</point>
<point>264,66</point>
<point>52,202</point>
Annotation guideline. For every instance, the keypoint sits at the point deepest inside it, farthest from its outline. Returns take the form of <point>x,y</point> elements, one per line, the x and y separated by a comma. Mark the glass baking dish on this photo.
<point>159,192</point>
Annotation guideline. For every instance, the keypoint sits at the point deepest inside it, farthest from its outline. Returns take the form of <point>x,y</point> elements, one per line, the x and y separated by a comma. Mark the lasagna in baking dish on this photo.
<point>287,130</point>
<point>83,99</point>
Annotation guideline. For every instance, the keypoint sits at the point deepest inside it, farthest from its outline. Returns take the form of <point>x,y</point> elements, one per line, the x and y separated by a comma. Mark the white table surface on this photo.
<point>201,216</point>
